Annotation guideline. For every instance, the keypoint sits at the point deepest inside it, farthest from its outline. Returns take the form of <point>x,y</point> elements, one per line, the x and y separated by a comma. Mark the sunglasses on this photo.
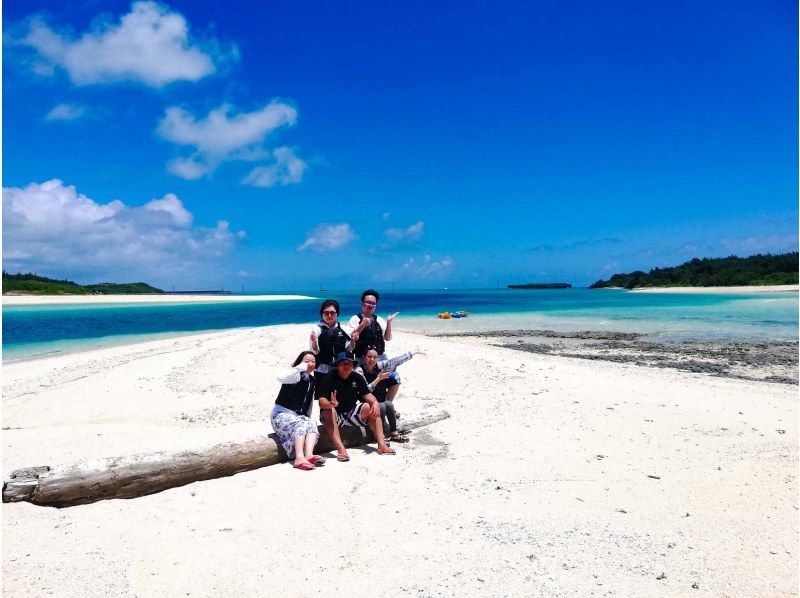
<point>329,313</point>
<point>369,303</point>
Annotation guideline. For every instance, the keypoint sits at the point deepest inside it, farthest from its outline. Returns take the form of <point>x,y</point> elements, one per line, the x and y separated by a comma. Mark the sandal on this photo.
<point>304,465</point>
<point>388,451</point>
<point>343,458</point>
<point>316,460</point>
<point>397,437</point>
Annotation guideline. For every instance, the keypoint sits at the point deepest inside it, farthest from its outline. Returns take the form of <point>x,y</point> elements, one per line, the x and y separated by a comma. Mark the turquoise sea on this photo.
<point>37,331</point>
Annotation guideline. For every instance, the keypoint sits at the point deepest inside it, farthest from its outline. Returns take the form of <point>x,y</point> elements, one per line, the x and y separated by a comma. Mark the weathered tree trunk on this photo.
<point>129,477</point>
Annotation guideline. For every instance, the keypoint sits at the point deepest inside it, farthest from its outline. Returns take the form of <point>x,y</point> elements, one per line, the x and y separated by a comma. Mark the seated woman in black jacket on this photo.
<point>291,416</point>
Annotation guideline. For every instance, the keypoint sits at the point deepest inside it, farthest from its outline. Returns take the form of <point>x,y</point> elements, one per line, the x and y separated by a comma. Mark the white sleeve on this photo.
<point>293,375</point>
<point>351,325</point>
<point>317,330</point>
<point>390,365</point>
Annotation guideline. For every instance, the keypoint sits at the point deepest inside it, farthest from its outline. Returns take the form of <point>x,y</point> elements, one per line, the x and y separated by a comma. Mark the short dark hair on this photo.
<point>303,354</point>
<point>328,303</point>
<point>372,292</point>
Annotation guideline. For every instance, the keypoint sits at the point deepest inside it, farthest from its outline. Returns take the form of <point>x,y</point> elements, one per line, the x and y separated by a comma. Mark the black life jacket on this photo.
<point>370,338</point>
<point>331,341</point>
<point>297,396</point>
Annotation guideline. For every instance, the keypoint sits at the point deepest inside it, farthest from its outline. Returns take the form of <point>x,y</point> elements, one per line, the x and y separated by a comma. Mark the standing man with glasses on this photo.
<point>367,330</point>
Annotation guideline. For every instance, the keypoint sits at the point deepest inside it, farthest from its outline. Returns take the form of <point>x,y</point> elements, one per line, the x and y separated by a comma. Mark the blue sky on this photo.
<point>279,145</point>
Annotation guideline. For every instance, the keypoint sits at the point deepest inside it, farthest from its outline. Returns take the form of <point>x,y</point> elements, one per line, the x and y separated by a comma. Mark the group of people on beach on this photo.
<point>346,369</point>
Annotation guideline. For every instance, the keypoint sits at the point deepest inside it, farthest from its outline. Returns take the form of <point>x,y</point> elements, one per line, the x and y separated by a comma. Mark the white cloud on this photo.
<point>427,267</point>
<point>385,216</point>
<point>411,234</point>
<point>171,205</point>
<point>65,112</point>
<point>223,135</point>
<point>151,45</point>
<point>285,170</point>
<point>188,168</point>
<point>328,237</point>
<point>50,227</point>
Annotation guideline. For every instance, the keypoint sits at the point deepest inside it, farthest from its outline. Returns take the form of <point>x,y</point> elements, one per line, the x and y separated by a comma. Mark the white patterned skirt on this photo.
<point>288,426</point>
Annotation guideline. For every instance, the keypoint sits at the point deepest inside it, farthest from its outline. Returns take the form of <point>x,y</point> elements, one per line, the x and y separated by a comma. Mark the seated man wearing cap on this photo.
<point>344,393</point>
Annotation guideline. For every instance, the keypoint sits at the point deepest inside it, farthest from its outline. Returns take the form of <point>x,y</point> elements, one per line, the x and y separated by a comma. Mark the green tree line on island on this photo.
<point>33,284</point>
<point>756,270</point>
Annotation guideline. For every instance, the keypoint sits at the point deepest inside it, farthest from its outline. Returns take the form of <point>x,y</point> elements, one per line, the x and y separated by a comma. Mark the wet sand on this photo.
<point>769,361</point>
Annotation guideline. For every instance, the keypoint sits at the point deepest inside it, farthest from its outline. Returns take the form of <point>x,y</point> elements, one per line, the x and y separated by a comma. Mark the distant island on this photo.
<point>756,270</point>
<point>541,285</point>
<point>33,284</point>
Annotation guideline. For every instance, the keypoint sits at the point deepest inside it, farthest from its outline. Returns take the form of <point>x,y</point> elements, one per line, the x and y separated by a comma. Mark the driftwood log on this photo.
<point>88,481</point>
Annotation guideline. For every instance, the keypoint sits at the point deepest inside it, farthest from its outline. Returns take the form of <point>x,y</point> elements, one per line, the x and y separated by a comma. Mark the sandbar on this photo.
<point>554,476</point>
<point>107,299</point>
<point>776,288</point>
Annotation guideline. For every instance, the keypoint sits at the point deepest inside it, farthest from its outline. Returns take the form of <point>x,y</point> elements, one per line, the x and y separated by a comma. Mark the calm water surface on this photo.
<point>34,331</point>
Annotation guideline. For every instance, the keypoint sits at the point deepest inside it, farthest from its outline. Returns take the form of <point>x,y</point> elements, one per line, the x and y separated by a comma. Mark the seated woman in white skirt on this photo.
<point>291,416</point>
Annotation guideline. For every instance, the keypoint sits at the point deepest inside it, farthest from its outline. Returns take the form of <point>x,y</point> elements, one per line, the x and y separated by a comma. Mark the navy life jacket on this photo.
<point>370,338</point>
<point>297,396</point>
<point>331,341</point>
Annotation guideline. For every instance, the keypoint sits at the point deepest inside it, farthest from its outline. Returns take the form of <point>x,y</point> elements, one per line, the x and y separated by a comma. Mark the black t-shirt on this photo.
<point>348,391</point>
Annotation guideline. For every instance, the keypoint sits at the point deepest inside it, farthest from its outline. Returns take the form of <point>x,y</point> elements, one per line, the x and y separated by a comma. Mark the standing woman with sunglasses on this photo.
<point>328,339</point>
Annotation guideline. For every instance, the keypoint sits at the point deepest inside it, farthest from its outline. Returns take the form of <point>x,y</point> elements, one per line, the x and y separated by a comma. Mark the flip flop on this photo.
<point>343,459</point>
<point>398,438</point>
<point>316,460</point>
<point>389,451</point>
<point>304,465</point>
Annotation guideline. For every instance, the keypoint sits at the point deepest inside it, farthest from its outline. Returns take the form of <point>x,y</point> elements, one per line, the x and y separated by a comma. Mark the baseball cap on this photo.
<point>345,356</point>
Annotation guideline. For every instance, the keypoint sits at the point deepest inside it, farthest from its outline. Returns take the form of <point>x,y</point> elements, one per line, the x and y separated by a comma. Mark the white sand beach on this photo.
<point>553,477</point>
<point>106,299</point>
<point>776,288</point>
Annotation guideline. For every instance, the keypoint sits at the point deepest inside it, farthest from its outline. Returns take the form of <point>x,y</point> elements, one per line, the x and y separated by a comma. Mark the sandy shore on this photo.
<point>105,299</point>
<point>777,288</point>
<point>554,476</point>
